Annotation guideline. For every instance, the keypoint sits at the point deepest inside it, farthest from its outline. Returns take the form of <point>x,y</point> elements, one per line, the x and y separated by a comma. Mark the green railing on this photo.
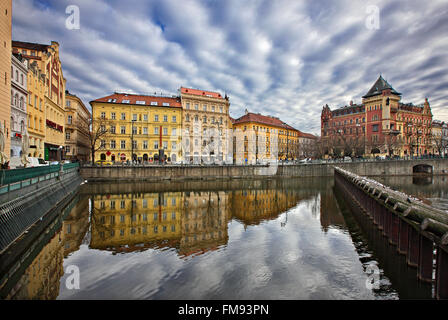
<point>18,178</point>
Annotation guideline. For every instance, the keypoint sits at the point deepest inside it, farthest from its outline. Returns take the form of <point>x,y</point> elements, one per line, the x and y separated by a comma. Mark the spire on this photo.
<point>378,87</point>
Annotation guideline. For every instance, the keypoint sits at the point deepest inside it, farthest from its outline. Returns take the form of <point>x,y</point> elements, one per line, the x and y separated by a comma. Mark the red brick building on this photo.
<point>380,125</point>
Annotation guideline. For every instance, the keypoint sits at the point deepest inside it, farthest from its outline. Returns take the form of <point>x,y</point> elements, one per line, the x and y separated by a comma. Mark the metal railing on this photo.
<point>18,178</point>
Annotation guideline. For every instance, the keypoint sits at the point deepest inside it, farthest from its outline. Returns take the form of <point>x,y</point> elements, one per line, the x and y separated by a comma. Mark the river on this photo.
<point>235,239</point>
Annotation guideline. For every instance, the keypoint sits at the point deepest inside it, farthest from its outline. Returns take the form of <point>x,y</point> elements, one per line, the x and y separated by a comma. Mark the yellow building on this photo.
<point>36,110</point>
<point>48,61</point>
<point>5,79</point>
<point>206,121</point>
<point>77,122</point>
<point>145,126</point>
<point>133,221</point>
<point>258,138</point>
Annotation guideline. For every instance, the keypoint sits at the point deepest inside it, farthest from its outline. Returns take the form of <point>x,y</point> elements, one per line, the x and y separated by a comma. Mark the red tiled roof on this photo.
<point>259,118</point>
<point>201,92</point>
<point>307,135</point>
<point>133,98</point>
<point>30,45</point>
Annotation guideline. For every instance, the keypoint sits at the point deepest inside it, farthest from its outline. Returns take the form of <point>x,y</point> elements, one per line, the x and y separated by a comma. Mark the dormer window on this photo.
<point>154,103</point>
<point>165,104</point>
<point>140,102</point>
<point>125,101</point>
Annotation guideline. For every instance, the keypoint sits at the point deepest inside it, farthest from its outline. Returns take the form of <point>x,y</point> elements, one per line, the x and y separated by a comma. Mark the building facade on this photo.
<point>380,125</point>
<point>206,124</point>
<point>48,61</point>
<point>439,138</point>
<point>77,123</point>
<point>36,111</point>
<point>258,138</point>
<point>5,79</point>
<point>147,127</point>
<point>19,95</point>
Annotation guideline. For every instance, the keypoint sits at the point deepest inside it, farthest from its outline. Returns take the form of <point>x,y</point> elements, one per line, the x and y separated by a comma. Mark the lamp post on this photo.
<point>132,141</point>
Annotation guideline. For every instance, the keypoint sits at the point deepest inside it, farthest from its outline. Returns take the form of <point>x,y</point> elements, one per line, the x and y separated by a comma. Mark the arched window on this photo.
<point>17,76</point>
<point>12,123</point>
<point>21,102</point>
<point>22,126</point>
<point>16,100</point>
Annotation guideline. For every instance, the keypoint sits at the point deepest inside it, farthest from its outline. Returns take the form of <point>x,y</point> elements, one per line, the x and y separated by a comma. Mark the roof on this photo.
<point>30,45</point>
<point>379,86</point>
<point>307,135</point>
<point>143,100</point>
<point>198,92</point>
<point>267,120</point>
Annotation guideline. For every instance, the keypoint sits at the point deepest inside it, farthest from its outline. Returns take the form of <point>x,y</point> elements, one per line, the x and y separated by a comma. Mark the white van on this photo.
<point>35,162</point>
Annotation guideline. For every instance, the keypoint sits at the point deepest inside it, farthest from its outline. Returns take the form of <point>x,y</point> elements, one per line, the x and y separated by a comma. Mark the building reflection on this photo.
<point>41,278</point>
<point>75,226</point>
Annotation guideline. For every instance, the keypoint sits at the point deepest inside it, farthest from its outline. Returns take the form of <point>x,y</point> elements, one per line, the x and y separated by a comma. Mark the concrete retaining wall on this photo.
<point>157,173</point>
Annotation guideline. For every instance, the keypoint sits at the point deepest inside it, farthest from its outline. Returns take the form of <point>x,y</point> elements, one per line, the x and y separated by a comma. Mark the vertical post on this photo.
<point>394,229</point>
<point>425,259</point>
<point>413,247</point>
<point>442,274</point>
<point>403,237</point>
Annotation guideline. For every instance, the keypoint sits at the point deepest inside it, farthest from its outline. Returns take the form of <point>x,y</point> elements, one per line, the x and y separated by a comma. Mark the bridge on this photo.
<point>414,228</point>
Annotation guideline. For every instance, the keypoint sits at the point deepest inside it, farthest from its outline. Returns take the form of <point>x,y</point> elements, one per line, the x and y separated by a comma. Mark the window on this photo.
<point>67,136</point>
<point>123,129</point>
<point>139,102</point>
<point>204,107</point>
<point>173,132</point>
<point>220,109</point>
<point>187,105</point>
<point>134,117</point>
<point>134,144</point>
<point>69,119</point>
<point>123,116</point>
<point>125,101</point>
<point>196,106</point>
<point>145,144</point>
<point>165,118</point>
<point>103,115</point>
<point>156,130</point>
<point>165,131</point>
<point>112,129</point>
<point>67,149</point>
<point>145,117</point>
<point>112,144</point>
<point>134,130</point>
<point>165,145</point>
<point>156,145</point>
<point>112,115</point>
<point>165,104</point>
<point>156,117</point>
<point>213,108</point>
<point>145,130</point>
<point>173,119</point>
<point>154,103</point>
<point>173,145</point>
<point>375,128</point>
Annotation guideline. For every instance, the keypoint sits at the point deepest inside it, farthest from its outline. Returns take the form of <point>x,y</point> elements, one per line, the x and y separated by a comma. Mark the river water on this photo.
<point>236,239</point>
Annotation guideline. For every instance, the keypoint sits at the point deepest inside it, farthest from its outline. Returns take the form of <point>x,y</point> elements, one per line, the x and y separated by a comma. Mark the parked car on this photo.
<point>347,159</point>
<point>35,162</point>
<point>306,160</point>
<point>103,162</point>
<point>52,163</point>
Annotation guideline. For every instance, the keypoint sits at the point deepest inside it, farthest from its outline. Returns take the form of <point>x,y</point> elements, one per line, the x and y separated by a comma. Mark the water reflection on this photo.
<point>235,239</point>
<point>432,190</point>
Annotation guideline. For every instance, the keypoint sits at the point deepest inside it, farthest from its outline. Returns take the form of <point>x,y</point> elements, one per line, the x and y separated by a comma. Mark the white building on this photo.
<point>19,94</point>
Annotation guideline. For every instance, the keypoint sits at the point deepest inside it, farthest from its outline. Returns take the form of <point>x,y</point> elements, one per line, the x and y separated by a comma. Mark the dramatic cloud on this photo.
<point>283,58</point>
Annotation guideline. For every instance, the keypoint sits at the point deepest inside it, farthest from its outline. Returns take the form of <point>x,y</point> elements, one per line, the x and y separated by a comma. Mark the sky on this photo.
<point>282,58</point>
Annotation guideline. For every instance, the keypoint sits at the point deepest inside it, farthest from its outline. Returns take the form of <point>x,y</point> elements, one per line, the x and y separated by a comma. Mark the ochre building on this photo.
<point>149,127</point>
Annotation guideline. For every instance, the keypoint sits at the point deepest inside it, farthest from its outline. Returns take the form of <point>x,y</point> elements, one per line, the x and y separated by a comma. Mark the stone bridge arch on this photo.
<point>422,168</point>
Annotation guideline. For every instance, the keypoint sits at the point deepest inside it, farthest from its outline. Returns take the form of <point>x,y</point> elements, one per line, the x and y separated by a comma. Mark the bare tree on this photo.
<point>96,130</point>
<point>440,143</point>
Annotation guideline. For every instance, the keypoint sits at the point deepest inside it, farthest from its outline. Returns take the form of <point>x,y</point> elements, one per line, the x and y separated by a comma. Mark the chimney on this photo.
<point>351,102</point>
